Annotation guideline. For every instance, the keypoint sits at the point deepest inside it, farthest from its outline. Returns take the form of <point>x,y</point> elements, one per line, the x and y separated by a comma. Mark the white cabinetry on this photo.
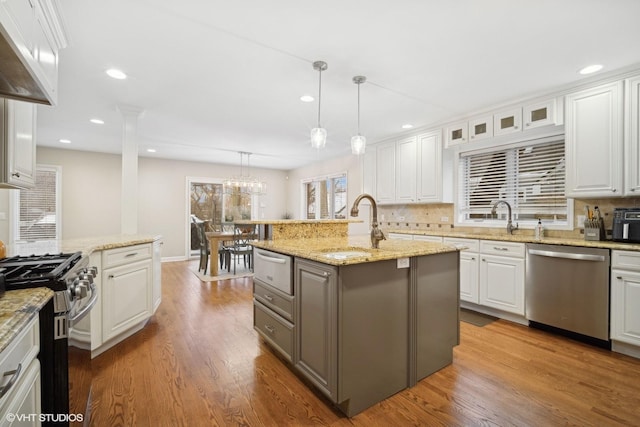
<point>456,133</point>
<point>594,141</point>
<point>502,276</point>
<point>625,300</point>
<point>407,171</point>
<point>542,113</point>
<point>18,144</point>
<point>632,137</point>
<point>32,30</point>
<point>386,172</point>
<point>507,121</point>
<point>480,128</point>
<point>469,285</point>
<point>429,168</point>
<point>405,181</point>
<point>126,289</point>
<point>19,363</point>
<point>369,172</point>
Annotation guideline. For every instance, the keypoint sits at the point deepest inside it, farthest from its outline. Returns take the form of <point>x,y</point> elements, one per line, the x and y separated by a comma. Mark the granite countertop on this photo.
<point>298,221</point>
<point>85,245</point>
<point>523,238</point>
<point>317,249</point>
<point>17,308</point>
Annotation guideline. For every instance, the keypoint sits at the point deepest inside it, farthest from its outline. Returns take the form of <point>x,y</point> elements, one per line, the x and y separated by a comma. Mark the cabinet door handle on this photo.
<point>111,276</point>
<point>268,297</point>
<point>497,248</point>
<point>619,277</point>
<point>271,329</point>
<point>130,255</point>
<point>12,381</point>
<point>16,174</point>
<point>515,127</point>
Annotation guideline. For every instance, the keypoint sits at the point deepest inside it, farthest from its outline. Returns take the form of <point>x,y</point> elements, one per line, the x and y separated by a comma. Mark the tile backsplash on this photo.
<point>440,217</point>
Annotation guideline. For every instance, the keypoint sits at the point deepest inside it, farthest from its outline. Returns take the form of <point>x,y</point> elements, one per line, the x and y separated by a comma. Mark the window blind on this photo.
<point>38,208</point>
<point>531,178</point>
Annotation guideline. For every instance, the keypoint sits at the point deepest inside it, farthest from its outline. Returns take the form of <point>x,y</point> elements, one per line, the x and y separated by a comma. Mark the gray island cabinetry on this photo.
<point>367,323</point>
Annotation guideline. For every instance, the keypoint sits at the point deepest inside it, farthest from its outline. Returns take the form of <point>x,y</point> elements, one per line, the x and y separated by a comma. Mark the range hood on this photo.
<point>16,81</point>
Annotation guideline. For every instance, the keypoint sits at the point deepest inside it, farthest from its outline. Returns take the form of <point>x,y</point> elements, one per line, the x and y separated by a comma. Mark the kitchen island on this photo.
<point>359,324</point>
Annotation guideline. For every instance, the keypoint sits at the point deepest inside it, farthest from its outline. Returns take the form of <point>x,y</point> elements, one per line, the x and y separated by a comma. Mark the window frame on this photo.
<point>317,180</point>
<point>14,230</point>
<point>460,217</point>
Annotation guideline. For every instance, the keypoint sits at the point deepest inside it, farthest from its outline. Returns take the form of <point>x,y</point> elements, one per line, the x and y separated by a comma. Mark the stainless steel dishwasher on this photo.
<point>568,288</point>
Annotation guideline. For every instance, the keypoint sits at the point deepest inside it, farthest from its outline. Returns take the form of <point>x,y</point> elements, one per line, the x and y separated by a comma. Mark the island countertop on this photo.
<point>318,249</point>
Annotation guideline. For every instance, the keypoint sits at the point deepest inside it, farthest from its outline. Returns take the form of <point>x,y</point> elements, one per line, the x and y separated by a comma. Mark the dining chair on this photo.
<point>203,245</point>
<point>243,235</point>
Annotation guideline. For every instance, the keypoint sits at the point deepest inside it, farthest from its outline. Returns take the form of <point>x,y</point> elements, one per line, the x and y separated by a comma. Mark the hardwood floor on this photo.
<point>199,363</point>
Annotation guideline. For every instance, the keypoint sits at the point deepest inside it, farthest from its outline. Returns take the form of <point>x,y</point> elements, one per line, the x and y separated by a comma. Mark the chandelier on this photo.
<point>244,183</point>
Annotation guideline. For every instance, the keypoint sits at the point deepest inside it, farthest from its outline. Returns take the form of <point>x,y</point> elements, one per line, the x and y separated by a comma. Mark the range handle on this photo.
<point>579,257</point>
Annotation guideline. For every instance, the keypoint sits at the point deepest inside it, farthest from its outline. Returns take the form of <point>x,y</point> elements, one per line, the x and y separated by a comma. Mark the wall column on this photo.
<point>129,212</point>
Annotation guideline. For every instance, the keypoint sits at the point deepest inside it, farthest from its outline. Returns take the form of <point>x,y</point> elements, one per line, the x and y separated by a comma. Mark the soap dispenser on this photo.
<point>539,230</point>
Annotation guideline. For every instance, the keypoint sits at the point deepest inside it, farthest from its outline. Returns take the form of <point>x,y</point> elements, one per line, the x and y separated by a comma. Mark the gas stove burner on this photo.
<point>37,270</point>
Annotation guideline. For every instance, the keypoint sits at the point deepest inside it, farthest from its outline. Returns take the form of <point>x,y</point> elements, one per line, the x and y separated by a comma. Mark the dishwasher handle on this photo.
<point>571,255</point>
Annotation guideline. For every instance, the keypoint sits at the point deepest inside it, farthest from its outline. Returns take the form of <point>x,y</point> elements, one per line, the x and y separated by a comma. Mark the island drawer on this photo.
<point>126,255</point>
<point>276,300</point>
<point>274,269</point>
<point>275,330</point>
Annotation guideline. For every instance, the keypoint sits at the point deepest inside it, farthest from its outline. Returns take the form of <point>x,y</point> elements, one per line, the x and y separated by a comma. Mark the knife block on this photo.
<point>594,229</point>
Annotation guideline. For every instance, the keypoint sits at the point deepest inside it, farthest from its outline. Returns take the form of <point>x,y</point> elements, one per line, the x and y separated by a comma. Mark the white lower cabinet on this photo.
<point>502,276</point>
<point>129,292</point>
<point>126,294</point>
<point>625,297</point>
<point>19,363</point>
<point>468,267</point>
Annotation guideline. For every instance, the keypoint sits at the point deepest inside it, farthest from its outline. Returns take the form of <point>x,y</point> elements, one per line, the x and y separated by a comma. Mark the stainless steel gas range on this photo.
<point>71,279</point>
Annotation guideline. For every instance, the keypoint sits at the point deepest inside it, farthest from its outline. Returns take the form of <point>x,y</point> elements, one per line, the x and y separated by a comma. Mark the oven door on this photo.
<point>80,371</point>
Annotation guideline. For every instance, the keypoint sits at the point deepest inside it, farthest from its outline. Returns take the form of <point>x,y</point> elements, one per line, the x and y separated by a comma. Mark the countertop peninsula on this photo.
<point>86,245</point>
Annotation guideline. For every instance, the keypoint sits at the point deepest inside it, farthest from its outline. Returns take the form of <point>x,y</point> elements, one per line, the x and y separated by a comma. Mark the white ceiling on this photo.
<point>216,77</point>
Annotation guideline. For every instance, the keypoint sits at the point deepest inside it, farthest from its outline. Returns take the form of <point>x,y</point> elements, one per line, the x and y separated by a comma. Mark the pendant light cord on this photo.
<point>319,94</point>
<point>358,108</point>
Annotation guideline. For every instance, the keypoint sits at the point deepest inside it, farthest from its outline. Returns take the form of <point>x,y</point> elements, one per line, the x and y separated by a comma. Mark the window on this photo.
<point>529,176</point>
<point>38,209</point>
<point>325,197</point>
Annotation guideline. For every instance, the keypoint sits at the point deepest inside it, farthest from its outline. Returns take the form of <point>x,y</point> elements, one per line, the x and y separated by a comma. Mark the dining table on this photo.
<point>215,238</point>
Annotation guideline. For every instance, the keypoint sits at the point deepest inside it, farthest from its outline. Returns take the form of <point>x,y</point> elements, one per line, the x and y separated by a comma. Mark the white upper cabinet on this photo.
<point>369,172</point>
<point>406,157</point>
<point>17,144</point>
<point>386,172</point>
<point>456,133</point>
<point>632,137</point>
<point>429,168</point>
<point>594,141</point>
<point>480,128</point>
<point>507,121</point>
<point>32,30</point>
<point>539,114</point>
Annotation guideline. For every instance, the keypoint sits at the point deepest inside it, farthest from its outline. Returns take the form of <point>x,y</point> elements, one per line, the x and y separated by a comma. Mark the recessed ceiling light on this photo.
<point>591,69</point>
<point>407,126</point>
<point>307,98</point>
<point>97,121</point>
<point>151,150</point>
<point>65,141</point>
<point>116,74</point>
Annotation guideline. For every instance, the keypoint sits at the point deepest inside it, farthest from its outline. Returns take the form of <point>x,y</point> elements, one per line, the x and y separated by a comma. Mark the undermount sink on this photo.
<point>346,254</point>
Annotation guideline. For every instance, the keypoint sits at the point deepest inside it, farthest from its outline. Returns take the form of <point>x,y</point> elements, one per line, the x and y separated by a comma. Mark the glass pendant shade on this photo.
<point>358,144</point>
<point>318,137</point>
<point>244,183</point>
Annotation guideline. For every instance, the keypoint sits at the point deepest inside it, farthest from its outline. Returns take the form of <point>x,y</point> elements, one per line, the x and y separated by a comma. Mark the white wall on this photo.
<point>91,195</point>
<point>350,164</point>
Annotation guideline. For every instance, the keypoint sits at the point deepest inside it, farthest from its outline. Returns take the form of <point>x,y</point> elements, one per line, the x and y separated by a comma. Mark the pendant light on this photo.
<point>358,142</point>
<point>319,134</point>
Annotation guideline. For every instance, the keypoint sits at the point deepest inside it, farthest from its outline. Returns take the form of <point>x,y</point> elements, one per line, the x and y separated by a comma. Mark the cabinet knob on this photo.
<point>528,124</point>
<point>613,190</point>
<point>633,189</point>
<point>16,174</point>
<point>326,274</point>
<point>473,136</point>
<point>515,127</point>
